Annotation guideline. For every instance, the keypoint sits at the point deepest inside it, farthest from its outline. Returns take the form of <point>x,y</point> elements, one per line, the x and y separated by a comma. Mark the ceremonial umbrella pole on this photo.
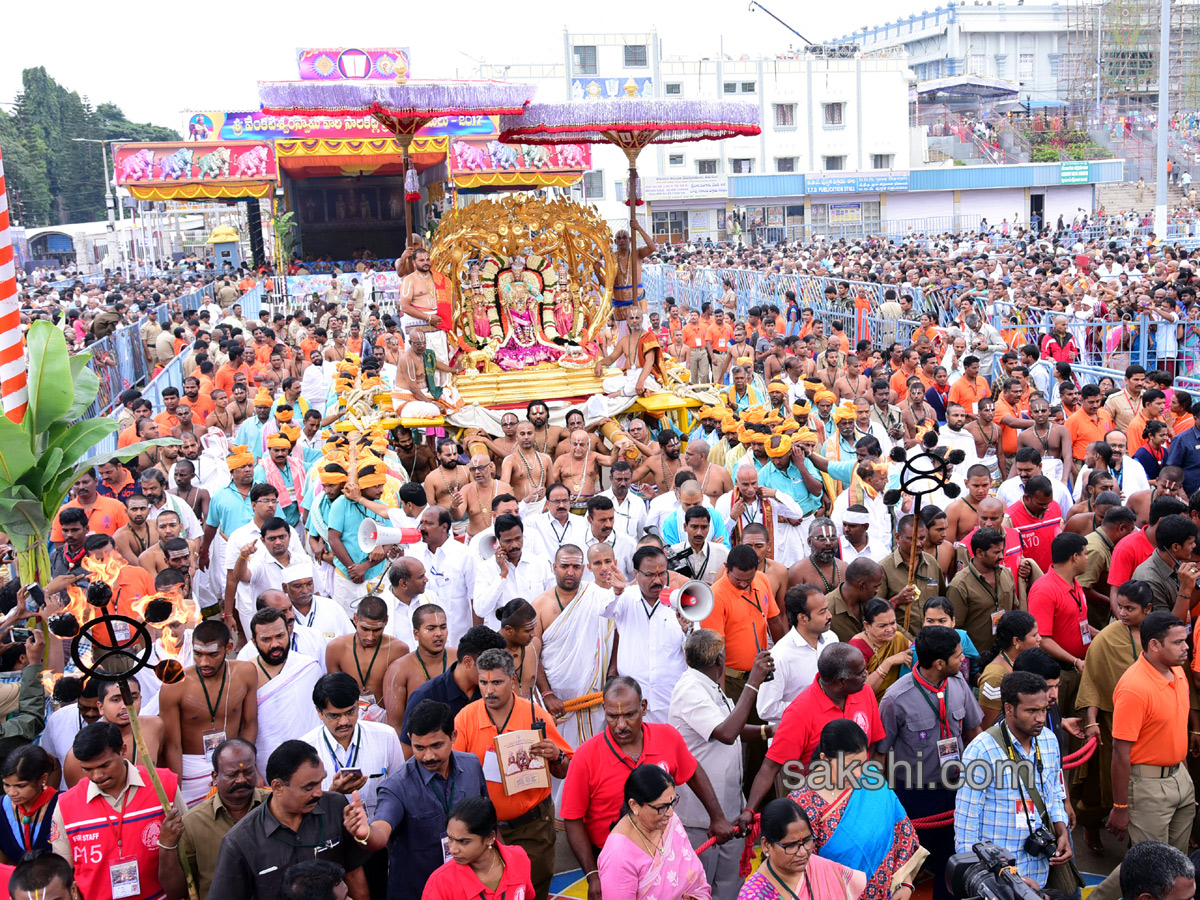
<point>923,473</point>
<point>117,648</point>
<point>402,107</point>
<point>632,124</point>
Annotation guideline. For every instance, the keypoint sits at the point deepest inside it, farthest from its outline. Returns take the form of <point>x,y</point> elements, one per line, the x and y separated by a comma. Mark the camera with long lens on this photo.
<point>987,872</point>
<point>677,561</point>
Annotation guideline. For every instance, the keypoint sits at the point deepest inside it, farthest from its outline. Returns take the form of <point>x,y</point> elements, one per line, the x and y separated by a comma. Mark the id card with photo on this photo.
<point>211,740</point>
<point>123,874</point>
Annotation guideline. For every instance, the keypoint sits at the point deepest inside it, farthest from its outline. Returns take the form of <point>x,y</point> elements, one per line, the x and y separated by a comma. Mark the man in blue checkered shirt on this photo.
<point>993,803</point>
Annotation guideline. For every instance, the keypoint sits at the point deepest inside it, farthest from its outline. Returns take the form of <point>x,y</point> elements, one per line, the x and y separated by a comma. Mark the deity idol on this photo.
<point>523,346</point>
<point>478,304</point>
<point>564,305</point>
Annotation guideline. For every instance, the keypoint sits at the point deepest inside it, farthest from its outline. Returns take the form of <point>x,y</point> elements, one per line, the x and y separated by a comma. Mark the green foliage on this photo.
<point>53,180</point>
<point>45,454</point>
<point>285,233</point>
<point>1044,154</point>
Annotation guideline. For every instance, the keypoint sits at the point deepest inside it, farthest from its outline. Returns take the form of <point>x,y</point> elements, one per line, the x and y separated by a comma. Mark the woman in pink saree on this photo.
<point>790,869</point>
<point>647,856</point>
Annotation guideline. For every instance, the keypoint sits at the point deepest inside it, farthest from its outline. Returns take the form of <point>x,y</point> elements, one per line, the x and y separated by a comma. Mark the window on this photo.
<point>675,159</point>
<point>976,64</point>
<point>585,59</point>
<point>741,166</point>
<point>834,163</point>
<point>730,87</point>
<point>835,114</point>
<point>785,115</point>
<point>882,160</point>
<point>706,167</point>
<point>747,87</point>
<point>674,89</point>
<point>785,164</point>
<point>635,56</point>
<point>1025,66</point>
<point>593,185</point>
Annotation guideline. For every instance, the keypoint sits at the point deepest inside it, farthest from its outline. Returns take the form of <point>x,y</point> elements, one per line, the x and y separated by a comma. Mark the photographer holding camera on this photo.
<point>1021,810</point>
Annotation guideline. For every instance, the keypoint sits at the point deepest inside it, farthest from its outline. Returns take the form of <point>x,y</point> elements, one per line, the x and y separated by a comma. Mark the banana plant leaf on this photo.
<point>51,391</point>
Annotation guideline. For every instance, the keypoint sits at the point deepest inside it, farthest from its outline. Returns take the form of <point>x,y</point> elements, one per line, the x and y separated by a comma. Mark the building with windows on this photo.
<point>826,110</point>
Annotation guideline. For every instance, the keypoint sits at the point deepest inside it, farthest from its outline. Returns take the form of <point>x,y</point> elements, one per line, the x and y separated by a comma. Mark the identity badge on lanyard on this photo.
<point>123,871</point>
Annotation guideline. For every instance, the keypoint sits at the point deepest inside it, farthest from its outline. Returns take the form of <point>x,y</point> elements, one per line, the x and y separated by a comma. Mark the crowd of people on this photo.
<point>411,656</point>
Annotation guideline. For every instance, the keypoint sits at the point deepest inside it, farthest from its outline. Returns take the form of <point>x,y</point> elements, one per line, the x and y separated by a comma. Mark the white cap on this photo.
<point>297,571</point>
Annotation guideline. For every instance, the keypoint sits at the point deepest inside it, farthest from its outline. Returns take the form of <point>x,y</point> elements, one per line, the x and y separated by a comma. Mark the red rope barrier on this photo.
<point>938,820</point>
<point>1082,755</point>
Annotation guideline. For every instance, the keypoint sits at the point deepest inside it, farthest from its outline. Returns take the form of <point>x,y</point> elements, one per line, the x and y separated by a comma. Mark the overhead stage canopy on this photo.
<point>973,87</point>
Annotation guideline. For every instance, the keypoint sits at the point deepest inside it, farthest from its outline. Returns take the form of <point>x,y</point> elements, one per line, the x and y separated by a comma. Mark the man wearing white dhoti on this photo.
<point>285,685</point>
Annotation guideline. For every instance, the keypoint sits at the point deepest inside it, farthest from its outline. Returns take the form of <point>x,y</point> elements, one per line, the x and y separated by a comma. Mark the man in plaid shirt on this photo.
<point>993,803</point>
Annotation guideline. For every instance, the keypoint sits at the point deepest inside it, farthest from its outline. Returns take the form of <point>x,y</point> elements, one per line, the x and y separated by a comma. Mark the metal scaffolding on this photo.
<point>1109,64</point>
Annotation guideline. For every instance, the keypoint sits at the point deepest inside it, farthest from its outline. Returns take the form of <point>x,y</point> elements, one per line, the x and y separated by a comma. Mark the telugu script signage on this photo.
<point>856,183</point>
<point>183,163</point>
<point>257,125</point>
<point>1074,172</point>
<point>688,187</point>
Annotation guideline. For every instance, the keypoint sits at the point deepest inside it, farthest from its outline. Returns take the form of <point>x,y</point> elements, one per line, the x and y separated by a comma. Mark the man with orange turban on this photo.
<point>229,510</point>
<point>778,392</point>
<point>840,444</point>
<point>822,422</point>
<point>252,431</point>
<point>358,572</point>
<point>283,472</point>
<point>331,473</point>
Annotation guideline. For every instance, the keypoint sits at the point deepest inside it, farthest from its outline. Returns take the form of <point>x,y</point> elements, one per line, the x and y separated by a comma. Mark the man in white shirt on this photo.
<point>449,567</point>
<point>512,572</point>
<point>796,653</point>
<point>323,616</point>
<point>408,581</point>
<point>357,755</point>
<point>748,503</point>
<point>1026,464</point>
<point>550,530</point>
<point>857,539</point>
<point>502,505</point>
<point>649,641</point>
<point>629,507</point>
<point>601,521</point>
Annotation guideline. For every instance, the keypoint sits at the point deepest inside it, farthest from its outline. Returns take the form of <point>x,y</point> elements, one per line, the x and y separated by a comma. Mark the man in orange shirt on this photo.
<point>720,333</point>
<point>106,515</point>
<point>971,388</point>
<point>1090,423</point>
<point>744,613</point>
<point>168,422</point>
<point>142,409</point>
<point>1154,407</point>
<point>1153,730</point>
<point>200,404</point>
<point>225,375</point>
<point>1010,416</point>
<point>907,370</point>
<point>695,338</point>
<point>526,817</point>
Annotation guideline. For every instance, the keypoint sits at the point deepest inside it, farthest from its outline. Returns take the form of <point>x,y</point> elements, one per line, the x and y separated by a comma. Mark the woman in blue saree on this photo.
<point>860,823</point>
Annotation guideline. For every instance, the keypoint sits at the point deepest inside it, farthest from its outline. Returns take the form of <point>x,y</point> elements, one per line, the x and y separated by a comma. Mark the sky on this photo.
<point>170,57</point>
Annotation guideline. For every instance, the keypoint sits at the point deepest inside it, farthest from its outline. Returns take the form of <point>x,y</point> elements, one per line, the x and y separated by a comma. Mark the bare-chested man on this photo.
<point>518,623</point>
<point>829,372</point>
<point>431,659</point>
<point>502,447</point>
<point>821,566</point>
<point>660,469</point>
<point>417,459</point>
<point>628,306</point>
<point>1052,441</point>
<point>714,480</point>
<point>1169,483</point>
<point>444,485</point>
<point>480,491</point>
<point>986,431</point>
<point>757,537</point>
<point>135,538</point>
<point>112,710</point>
<point>366,654</point>
<point>216,699</point>
<point>527,469</point>
<point>424,296</point>
<point>853,383</point>
<point>580,467</point>
<point>1098,482</point>
<point>412,381</point>
<point>546,437</point>
<point>643,358</point>
<point>154,558</point>
<point>575,422</point>
<point>962,515</point>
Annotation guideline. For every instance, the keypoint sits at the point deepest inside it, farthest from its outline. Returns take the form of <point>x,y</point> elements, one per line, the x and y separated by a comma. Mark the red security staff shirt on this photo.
<point>1131,551</point>
<point>1060,610</point>
<point>595,785</point>
<point>800,728</point>
<point>1036,534</point>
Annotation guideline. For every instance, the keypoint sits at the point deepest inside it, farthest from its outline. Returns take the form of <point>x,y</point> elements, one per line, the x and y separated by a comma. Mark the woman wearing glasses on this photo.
<point>790,868</point>
<point>648,855</point>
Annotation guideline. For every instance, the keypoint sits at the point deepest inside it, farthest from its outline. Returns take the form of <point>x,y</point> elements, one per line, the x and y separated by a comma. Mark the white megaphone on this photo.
<point>372,534</point>
<point>487,547</point>
<point>693,601</point>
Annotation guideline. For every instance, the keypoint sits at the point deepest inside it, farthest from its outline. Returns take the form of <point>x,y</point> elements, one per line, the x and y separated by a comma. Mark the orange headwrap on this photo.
<point>262,398</point>
<point>801,409</point>
<point>278,441</point>
<point>284,415</point>
<point>822,396</point>
<point>240,456</point>
<point>292,432</point>
<point>372,476</point>
<point>776,387</point>
<point>331,476</point>
<point>778,446</point>
<point>805,436</point>
<point>844,412</point>
<point>729,425</point>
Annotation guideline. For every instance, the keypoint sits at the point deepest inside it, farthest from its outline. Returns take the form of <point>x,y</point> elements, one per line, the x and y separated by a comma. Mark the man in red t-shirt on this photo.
<point>1058,603</point>
<point>594,788</point>
<point>1134,549</point>
<point>836,693</point>
<point>1037,520</point>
